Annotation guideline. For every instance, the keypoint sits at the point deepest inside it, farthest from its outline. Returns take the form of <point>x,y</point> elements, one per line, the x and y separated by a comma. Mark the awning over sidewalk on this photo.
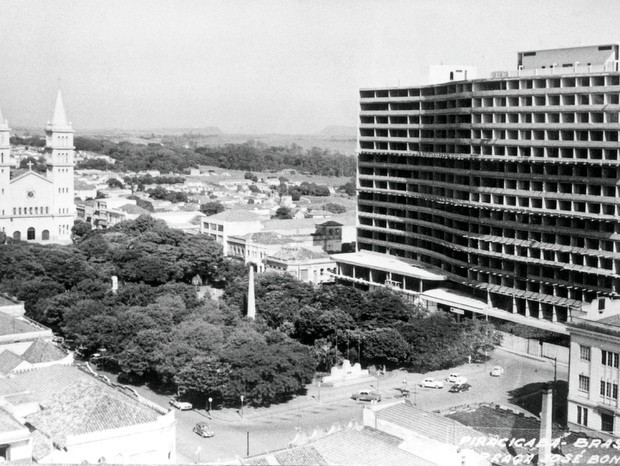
<point>386,263</point>
<point>453,299</point>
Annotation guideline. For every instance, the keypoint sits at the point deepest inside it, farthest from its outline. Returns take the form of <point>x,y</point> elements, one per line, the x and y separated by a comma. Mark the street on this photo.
<point>273,428</point>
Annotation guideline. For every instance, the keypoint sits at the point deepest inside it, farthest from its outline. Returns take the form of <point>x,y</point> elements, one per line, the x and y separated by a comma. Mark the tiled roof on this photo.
<point>266,237</point>
<point>41,445</point>
<point>359,447</point>
<point>6,302</point>
<point>86,407</point>
<point>431,425</point>
<point>305,455</point>
<point>8,387</point>
<point>9,361</point>
<point>235,215</point>
<point>365,447</point>
<point>8,423</point>
<point>298,253</point>
<point>42,351</point>
<point>10,325</point>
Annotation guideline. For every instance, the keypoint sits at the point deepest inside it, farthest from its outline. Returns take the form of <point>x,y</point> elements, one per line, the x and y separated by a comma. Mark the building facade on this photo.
<point>36,207</point>
<point>98,214</point>
<point>508,186</point>
<point>594,371</point>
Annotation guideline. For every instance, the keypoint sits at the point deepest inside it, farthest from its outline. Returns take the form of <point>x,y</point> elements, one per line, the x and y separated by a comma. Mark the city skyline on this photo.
<point>258,67</point>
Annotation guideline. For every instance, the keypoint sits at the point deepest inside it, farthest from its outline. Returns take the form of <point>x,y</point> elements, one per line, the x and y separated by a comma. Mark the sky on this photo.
<point>260,66</point>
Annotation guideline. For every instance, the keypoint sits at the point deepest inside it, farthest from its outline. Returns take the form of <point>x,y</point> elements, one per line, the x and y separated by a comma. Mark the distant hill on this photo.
<point>338,132</point>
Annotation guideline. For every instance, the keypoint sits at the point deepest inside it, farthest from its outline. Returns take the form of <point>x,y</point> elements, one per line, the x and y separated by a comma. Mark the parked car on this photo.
<point>366,395</point>
<point>430,382</point>
<point>181,405</point>
<point>203,429</point>
<point>497,371</point>
<point>459,387</point>
<point>452,378</point>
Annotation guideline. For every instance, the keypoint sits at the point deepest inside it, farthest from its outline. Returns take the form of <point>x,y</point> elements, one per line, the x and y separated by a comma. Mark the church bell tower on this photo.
<point>5,164</point>
<point>60,151</point>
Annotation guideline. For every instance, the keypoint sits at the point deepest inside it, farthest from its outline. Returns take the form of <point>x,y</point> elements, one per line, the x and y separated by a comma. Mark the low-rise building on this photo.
<point>594,369</point>
<point>98,213</point>
<point>305,264</point>
<point>328,236</point>
<point>62,414</point>
<point>398,433</point>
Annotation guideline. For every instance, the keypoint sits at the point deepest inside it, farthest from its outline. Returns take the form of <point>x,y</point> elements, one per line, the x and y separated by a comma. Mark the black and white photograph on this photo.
<point>310,232</point>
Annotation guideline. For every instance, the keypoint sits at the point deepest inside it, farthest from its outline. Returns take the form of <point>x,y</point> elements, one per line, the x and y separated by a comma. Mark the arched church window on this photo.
<point>31,233</point>
<point>45,234</point>
<point>17,235</point>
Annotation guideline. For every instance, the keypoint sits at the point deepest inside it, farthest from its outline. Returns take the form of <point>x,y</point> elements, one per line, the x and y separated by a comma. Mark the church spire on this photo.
<point>4,124</point>
<point>60,116</point>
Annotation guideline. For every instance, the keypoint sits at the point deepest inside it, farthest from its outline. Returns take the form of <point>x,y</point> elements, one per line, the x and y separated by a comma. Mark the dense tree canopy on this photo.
<point>250,157</point>
<point>156,328</point>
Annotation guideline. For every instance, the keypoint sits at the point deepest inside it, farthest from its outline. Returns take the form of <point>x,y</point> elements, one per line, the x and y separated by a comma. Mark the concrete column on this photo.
<point>251,300</point>
<point>546,422</point>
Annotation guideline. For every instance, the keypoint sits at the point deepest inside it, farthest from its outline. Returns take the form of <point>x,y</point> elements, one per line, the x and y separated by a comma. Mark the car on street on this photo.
<point>459,387</point>
<point>453,377</point>
<point>430,382</point>
<point>203,429</point>
<point>497,371</point>
<point>366,395</point>
<point>181,405</point>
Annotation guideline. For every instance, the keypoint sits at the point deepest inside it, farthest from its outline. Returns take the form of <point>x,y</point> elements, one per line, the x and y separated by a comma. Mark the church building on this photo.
<point>33,206</point>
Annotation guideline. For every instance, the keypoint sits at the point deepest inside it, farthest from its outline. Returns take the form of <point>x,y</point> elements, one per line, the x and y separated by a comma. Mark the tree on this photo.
<point>317,324</point>
<point>283,213</point>
<point>384,308</point>
<point>266,368</point>
<point>251,176</point>
<point>434,342</point>
<point>385,346</point>
<point>80,229</point>
<point>204,377</point>
<point>212,208</point>
<point>114,183</point>
<point>335,208</point>
<point>38,165</point>
<point>349,188</point>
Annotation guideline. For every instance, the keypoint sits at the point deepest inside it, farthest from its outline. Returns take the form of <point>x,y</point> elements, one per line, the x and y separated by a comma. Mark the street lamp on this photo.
<point>210,400</point>
<point>241,405</point>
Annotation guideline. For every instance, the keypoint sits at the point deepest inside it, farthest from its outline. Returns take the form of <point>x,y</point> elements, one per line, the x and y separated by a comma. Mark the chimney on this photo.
<point>546,422</point>
<point>251,302</point>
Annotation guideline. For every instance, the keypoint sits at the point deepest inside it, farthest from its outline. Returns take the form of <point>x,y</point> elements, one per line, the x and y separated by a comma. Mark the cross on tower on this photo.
<point>29,165</point>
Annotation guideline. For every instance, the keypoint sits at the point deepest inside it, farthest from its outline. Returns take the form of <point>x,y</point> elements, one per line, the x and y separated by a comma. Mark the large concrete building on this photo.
<point>33,206</point>
<point>506,186</point>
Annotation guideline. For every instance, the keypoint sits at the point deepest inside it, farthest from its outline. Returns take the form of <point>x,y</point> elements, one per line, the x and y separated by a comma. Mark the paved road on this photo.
<point>272,428</point>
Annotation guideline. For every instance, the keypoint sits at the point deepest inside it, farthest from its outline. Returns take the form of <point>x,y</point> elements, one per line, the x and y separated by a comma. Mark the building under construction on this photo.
<point>495,196</point>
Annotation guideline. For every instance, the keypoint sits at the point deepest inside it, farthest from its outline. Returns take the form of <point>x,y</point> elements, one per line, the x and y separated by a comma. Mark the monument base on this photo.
<point>369,379</point>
